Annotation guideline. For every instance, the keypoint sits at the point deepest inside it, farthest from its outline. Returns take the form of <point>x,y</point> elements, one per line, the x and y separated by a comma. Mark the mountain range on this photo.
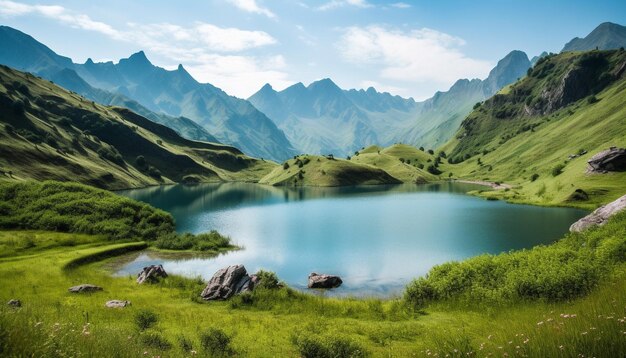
<point>174,93</point>
<point>607,36</point>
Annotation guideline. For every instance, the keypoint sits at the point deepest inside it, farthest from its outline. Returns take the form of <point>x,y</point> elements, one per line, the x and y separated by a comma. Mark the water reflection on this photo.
<point>376,237</point>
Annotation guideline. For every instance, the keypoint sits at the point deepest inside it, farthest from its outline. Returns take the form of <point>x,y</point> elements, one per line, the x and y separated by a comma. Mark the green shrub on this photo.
<point>312,346</point>
<point>155,340</point>
<point>216,342</point>
<point>268,280</point>
<point>564,270</point>
<point>145,319</point>
<point>211,241</point>
<point>71,207</point>
<point>557,170</point>
<point>432,169</point>
<point>534,177</point>
<point>185,344</point>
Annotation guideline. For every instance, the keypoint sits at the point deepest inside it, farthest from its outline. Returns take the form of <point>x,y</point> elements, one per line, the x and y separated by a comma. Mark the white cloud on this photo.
<point>59,13</point>
<point>252,6</point>
<point>210,53</point>
<point>401,5</point>
<point>333,4</point>
<point>416,56</point>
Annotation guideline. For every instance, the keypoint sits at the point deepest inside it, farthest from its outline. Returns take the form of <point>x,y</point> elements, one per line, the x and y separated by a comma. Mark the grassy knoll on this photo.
<point>167,319</point>
<point>524,139</point>
<point>403,162</point>
<point>47,132</point>
<point>313,170</point>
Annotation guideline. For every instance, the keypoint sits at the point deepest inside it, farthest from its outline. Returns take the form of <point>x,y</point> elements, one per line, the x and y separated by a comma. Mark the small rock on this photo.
<point>600,216</point>
<point>151,274</point>
<point>85,287</point>
<point>117,304</point>
<point>228,282</point>
<point>15,303</point>
<point>324,281</point>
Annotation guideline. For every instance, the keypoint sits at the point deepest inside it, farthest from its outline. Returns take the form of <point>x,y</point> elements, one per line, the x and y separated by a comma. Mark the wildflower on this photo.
<point>561,347</point>
<point>573,315</point>
<point>145,353</point>
<point>584,333</point>
<point>489,336</point>
<point>539,323</point>
<point>549,320</point>
<point>38,324</point>
<point>526,340</point>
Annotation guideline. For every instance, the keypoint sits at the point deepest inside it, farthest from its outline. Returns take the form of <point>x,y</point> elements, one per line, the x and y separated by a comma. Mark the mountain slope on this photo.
<point>48,132</point>
<point>607,36</point>
<point>540,134</point>
<point>174,93</point>
<point>439,117</point>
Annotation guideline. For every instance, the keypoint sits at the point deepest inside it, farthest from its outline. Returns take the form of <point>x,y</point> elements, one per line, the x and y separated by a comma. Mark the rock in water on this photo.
<point>600,215</point>
<point>612,159</point>
<point>117,304</point>
<point>15,303</point>
<point>85,287</point>
<point>228,282</point>
<point>324,281</point>
<point>151,274</point>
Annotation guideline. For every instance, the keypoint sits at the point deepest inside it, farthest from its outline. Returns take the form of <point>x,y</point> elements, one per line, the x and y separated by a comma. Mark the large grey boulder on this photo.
<point>84,288</point>
<point>324,281</point>
<point>612,159</point>
<point>117,304</point>
<point>228,282</point>
<point>151,274</point>
<point>600,215</point>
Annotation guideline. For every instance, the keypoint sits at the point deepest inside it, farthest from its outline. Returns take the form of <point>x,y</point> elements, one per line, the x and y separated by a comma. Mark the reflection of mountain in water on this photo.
<point>178,199</point>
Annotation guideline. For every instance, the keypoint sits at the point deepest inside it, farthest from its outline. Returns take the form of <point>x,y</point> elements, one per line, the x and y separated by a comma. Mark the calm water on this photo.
<point>377,238</point>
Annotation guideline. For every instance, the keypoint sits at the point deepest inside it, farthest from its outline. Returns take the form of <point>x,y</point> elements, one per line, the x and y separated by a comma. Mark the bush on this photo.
<point>155,340</point>
<point>431,152</point>
<point>534,177</point>
<point>286,166</point>
<point>140,161</point>
<point>557,170</point>
<point>185,344</point>
<point>432,169</point>
<point>216,342</point>
<point>70,207</point>
<point>111,154</point>
<point>9,128</point>
<point>145,319</point>
<point>311,346</point>
<point>564,270</point>
<point>211,241</point>
<point>268,280</point>
<point>154,172</point>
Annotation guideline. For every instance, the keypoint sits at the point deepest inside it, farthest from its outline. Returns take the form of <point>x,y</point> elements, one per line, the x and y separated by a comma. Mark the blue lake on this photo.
<point>377,238</point>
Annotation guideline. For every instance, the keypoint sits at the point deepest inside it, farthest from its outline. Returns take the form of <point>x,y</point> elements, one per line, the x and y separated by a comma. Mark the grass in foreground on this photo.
<point>168,319</point>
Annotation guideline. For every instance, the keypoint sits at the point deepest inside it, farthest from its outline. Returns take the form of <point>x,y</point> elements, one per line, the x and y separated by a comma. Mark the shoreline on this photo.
<point>492,185</point>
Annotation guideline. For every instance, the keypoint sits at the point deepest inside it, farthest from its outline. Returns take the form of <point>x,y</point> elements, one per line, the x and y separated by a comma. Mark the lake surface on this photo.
<point>377,238</point>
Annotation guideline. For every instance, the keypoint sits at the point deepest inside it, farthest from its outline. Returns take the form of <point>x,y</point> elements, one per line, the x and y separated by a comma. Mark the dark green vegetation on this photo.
<point>50,133</point>
<point>568,269</point>
<point>135,82</point>
<point>538,133</point>
<point>76,208</point>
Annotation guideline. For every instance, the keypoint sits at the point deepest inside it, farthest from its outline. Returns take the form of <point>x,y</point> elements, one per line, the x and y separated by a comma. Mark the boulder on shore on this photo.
<point>610,160</point>
<point>117,304</point>
<point>600,215</point>
<point>228,282</point>
<point>15,303</point>
<point>151,274</point>
<point>324,281</point>
<point>84,288</point>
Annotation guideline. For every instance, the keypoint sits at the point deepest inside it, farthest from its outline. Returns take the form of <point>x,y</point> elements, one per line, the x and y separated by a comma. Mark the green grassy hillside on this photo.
<point>404,162</point>
<point>313,170</point>
<point>569,104</point>
<point>47,132</point>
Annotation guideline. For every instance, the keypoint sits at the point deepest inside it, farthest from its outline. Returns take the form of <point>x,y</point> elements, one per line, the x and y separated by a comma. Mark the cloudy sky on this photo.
<point>410,48</point>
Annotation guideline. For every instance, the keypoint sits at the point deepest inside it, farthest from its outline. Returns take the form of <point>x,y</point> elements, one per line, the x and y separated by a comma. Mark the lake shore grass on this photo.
<point>54,322</point>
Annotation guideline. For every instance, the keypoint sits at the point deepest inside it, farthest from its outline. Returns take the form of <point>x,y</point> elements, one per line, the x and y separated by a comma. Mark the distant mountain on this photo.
<point>439,117</point>
<point>174,93</point>
<point>322,118</point>
<point>607,36</point>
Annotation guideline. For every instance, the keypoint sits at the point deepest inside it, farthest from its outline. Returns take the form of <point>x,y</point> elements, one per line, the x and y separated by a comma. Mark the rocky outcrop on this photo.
<point>324,281</point>
<point>14,303</point>
<point>84,288</point>
<point>612,159</point>
<point>151,274</point>
<point>228,282</point>
<point>600,216</point>
<point>117,304</point>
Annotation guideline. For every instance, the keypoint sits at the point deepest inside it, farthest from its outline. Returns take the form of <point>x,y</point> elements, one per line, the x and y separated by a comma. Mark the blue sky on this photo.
<point>410,48</point>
